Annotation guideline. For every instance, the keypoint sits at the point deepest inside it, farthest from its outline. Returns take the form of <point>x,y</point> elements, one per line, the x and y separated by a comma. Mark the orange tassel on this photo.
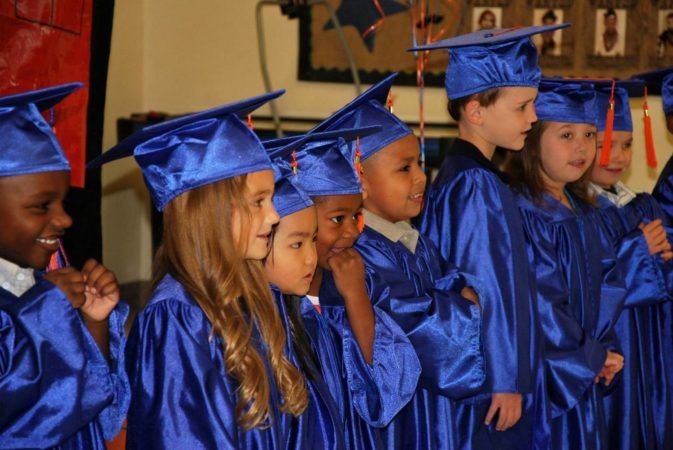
<point>358,166</point>
<point>390,102</point>
<point>361,222</point>
<point>609,122</point>
<point>250,125</point>
<point>294,162</point>
<point>649,140</point>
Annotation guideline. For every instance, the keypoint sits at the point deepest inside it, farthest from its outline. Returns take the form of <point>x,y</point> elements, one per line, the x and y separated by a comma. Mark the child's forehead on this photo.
<point>35,183</point>
<point>331,203</point>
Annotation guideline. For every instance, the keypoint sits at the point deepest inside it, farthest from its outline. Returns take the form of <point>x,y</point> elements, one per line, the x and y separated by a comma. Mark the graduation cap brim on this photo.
<point>280,148</point>
<point>42,98</point>
<point>489,37</point>
<point>378,92</point>
<point>125,147</point>
<point>654,79</point>
<point>635,88</point>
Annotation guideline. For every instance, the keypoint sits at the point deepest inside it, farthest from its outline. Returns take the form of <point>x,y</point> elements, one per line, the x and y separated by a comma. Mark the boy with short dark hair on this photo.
<point>62,379</point>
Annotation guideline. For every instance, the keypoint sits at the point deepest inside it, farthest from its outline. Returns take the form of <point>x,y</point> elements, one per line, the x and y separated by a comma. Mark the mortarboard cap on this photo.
<point>622,110</point>
<point>367,109</point>
<point>29,143</point>
<point>288,196</point>
<point>194,150</point>
<point>660,81</point>
<point>490,59</point>
<point>566,100</point>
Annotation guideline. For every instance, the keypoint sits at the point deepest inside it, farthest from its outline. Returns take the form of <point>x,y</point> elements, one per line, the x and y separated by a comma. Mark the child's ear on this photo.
<point>473,112</point>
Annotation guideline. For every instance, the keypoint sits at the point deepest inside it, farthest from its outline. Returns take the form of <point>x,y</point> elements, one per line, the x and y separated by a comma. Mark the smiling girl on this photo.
<point>580,293</point>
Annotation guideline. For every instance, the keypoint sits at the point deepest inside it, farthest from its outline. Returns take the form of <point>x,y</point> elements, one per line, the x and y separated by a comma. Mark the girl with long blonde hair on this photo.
<point>206,356</point>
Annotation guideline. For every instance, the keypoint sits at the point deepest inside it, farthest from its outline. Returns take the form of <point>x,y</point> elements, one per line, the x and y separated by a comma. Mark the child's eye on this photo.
<point>406,168</point>
<point>337,219</point>
<point>41,207</point>
<point>296,245</point>
<point>523,107</point>
<point>628,145</point>
<point>258,202</point>
<point>591,134</point>
<point>567,135</point>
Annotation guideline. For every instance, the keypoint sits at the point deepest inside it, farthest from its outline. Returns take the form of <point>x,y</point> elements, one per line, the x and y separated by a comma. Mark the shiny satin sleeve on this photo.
<point>180,397</point>
<point>380,390</point>
<point>54,380</point>
<point>573,356</point>
<point>474,222</point>
<point>433,317</point>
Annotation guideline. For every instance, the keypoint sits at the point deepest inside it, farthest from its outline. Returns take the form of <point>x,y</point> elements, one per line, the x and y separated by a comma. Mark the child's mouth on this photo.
<point>615,171</point>
<point>418,197</point>
<point>578,163</point>
<point>50,242</point>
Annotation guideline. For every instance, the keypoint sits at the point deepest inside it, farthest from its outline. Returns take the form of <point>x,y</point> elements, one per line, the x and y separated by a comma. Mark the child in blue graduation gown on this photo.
<point>640,409</point>
<point>375,361</point>
<point>471,216</point>
<point>62,378</point>
<point>206,357</point>
<point>662,80</point>
<point>579,288</point>
<point>424,293</point>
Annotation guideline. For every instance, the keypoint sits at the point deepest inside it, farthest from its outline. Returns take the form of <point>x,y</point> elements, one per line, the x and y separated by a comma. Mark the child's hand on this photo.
<point>509,406</point>
<point>655,236</point>
<point>469,294</point>
<point>71,282</point>
<point>349,273</point>
<point>102,291</point>
<point>614,362</point>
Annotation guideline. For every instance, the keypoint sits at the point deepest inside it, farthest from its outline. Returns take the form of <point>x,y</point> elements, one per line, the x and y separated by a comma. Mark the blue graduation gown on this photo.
<point>663,191</point>
<point>640,409</point>
<point>182,396</point>
<point>321,426</point>
<point>56,387</point>
<point>471,216</point>
<point>580,294</point>
<point>445,329</point>
<point>372,394</point>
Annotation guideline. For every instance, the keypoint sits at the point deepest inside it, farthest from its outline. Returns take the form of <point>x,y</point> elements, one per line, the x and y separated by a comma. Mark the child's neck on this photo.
<point>558,191</point>
<point>316,282</point>
<point>469,134</point>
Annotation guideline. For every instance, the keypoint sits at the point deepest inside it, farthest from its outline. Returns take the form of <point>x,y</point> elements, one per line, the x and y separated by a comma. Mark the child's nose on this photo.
<point>272,216</point>
<point>62,220</point>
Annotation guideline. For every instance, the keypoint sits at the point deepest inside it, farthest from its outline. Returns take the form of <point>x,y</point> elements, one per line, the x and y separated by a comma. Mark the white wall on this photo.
<point>180,56</point>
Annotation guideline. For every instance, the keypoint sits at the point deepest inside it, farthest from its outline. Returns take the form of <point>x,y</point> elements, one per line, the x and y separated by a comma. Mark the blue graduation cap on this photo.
<point>623,90</point>
<point>369,109</point>
<point>288,196</point>
<point>194,150</point>
<point>29,143</point>
<point>490,59</point>
<point>566,100</point>
<point>325,162</point>
<point>660,81</point>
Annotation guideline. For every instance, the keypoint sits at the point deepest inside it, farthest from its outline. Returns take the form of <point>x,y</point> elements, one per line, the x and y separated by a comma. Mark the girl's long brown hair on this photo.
<point>199,251</point>
<point>524,169</point>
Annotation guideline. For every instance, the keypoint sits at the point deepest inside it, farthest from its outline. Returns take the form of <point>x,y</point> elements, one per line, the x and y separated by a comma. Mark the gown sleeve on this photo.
<point>380,390</point>
<point>573,356</point>
<point>180,397</point>
<point>433,316</point>
<point>475,224</point>
<point>54,380</point>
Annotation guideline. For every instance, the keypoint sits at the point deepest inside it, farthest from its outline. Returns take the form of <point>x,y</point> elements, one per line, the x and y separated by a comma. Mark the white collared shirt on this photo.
<point>397,232</point>
<point>621,197</point>
<point>15,279</point>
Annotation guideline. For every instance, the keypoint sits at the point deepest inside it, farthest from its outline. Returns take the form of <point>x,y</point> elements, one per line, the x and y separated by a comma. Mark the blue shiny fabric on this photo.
<point>57,388</point>
<point>195,150</point>
<point>367,109</point>
<point>639,411</point>
<point>660,79</point>
<point>622,120</point>
<point>490,59</point>
<point>326,167</point>
<point>373,394</point>
<point>182,396</point>
<point>321,425</point>
<point>663,192</point>
<point>567,101</point>
<point>29,144</point>
<point>425,302</point>
<point>288,196</point>
<point>580,294</point>
<point>471,216</point>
